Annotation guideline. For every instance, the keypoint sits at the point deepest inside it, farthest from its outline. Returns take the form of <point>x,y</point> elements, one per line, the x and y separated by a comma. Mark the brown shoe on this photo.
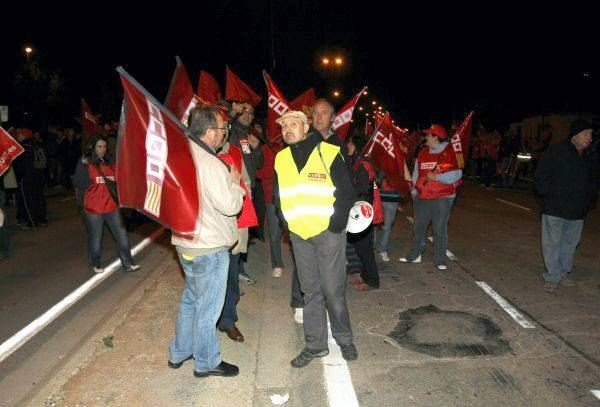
<point>233,333</point>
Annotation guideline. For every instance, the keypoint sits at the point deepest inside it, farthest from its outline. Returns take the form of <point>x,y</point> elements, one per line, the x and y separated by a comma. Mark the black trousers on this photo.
<point>363,243</point>
<point>258,200</point>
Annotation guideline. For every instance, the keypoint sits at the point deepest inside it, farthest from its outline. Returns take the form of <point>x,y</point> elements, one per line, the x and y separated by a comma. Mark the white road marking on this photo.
<point>21,337</point>
<point>340,391</point>
<point>68,199</point>
<point>450,255</point>
<point>516,315</point>
<point>513,204</point>
<point>596,393</point>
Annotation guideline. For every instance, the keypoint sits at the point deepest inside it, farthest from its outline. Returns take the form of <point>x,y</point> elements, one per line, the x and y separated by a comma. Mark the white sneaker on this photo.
<point>98,270</point>
<point>442,267</point>
<point>384,256</point>
<point>405,260</point>
<point>277,272</point>
<point>299,315</point>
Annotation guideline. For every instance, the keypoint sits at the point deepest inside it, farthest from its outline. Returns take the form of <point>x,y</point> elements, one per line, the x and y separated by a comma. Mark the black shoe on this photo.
<point>305,357</point>
<point>178,365</point>
<point>349,351</point>
<point>224,369</point>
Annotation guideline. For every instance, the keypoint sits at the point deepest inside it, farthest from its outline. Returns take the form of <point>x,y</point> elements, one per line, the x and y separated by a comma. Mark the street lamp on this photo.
<point>374,103</point>
<point>338,61</point>
<point>365,93</point>
<point>325,61</point>
<point>360,108</point>
<point>336,93</point>
<point>28,50</point>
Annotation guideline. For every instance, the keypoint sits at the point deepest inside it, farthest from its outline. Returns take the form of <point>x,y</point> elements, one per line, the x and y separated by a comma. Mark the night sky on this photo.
<point>422,65</point>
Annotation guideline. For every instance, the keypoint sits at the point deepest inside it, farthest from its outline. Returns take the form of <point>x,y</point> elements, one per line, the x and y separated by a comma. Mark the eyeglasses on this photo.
<point>224,129</point>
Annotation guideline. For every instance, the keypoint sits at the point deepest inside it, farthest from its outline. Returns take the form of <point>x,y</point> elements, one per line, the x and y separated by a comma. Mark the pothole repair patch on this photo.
<point>441,333</point>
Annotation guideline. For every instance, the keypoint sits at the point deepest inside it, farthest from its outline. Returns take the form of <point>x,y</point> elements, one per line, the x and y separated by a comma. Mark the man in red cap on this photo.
<point>435,176</point>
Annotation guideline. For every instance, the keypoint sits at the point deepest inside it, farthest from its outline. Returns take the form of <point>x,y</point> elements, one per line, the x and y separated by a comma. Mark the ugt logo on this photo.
<point>277,105</point>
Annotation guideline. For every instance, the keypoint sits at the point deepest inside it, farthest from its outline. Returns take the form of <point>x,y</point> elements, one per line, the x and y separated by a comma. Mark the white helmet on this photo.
<point>360,217</point>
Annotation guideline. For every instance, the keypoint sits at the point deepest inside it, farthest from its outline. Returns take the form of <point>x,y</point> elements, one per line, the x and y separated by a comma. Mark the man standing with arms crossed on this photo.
<point>313,190</point>
<point>205,258</point>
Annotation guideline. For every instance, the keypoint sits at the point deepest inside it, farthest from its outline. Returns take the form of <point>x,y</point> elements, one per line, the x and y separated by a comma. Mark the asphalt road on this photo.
<point>425,338</point>
<point>46,265</point>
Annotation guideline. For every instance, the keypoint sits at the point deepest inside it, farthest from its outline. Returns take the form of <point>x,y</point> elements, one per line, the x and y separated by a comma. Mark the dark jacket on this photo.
<point>253,160</point>
<point>566,181</point>
<point>360,179</point>
<point>345,194</point>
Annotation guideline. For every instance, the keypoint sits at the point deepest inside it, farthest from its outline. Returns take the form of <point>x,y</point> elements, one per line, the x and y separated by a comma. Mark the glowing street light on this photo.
<point>380,107</point>
<point>336,93</point>
<point>360,108</point>
<point>365,93</point>
<point>325,61</point>
<point>374,103</point>
<point>28,50</point>
<point>338,61</point>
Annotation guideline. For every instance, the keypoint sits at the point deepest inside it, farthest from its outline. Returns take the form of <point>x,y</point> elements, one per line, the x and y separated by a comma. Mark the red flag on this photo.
<point>386,155</point>
<point>88,120</point>
<point>237,90</point>
<point>180,97</point>
<point>9,150</point>
<point>208,88</point>
<point>341,123</point>
<point>461,140</point>
<point>402,138</point>
<point>156,173</point>
<point>304,102</point>
<point>277,107</point>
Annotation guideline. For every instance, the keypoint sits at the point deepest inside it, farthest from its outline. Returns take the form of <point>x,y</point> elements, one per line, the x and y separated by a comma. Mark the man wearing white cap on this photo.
<point>313,190</point>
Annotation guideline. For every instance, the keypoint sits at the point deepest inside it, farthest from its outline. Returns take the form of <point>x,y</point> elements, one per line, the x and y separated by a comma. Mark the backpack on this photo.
<point>39,157</point>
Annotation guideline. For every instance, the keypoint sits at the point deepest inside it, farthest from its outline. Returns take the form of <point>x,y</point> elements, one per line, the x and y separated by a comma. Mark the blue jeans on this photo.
<point>232,293</point>
<point>95,226</point>
<point>275,232</point>
<point>389,216</point>
<point>199,310</point>
<point>560,238</point>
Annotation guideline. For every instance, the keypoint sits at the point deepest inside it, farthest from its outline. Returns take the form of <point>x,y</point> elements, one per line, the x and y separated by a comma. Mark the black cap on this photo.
<point>578,126</point>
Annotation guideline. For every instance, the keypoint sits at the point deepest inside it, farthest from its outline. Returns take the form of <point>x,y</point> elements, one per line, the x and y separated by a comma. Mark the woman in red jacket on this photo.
<point>99,206</point>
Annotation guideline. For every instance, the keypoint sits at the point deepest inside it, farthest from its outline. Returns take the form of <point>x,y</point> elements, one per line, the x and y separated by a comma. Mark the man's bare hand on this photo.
<point>237,107</point>
<point>235,174</point>
<point>254,141</point>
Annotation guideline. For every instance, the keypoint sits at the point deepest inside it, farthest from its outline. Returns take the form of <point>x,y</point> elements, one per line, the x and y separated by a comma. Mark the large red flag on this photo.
<point>208,88</point>
<point>341,123</point>
<point>386,155</point>
<point>9,150</point>
<point>156,173</point>
<point>277,106</point>
<point>180,97</point>
<point>304,102</point>
<point>88,120</point>
<point>461,139</point>
<point>237,90</point>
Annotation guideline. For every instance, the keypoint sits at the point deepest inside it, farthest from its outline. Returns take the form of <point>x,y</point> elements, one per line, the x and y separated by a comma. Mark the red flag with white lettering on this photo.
<point>89,122</point>
<point>9,150</point>
<point>386,155</point>
<point>156,173</point>
<point>208,88</point>
<point>277,106</point>
<point>236,90</point>
<point>180,97</point>
<point>304,102</point>
<point>341,123</point>
<point>461,140</point>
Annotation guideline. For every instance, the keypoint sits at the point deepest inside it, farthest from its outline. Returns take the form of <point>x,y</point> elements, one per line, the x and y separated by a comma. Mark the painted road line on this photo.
<point>340,391</point>
<point>68,199</point>
<point>450,255</point>
<point>513,204</point>
<point>516,315</point>
<point>21,337</point>
<point>596,393</point>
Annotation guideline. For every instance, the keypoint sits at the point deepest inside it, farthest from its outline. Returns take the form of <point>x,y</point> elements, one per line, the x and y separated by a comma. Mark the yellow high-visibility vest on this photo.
<point>306,197</point>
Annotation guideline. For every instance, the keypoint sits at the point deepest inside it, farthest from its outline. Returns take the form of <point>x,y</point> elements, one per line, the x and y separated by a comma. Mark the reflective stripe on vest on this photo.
<point>306,197</point>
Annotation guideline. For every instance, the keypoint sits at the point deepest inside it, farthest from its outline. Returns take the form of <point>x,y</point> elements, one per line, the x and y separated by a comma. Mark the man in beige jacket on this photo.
<point>205,258</point>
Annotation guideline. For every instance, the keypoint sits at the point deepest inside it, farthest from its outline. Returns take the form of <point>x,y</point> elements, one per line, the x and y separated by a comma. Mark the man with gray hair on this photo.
<point>323,115</point>
<point>205,257</point>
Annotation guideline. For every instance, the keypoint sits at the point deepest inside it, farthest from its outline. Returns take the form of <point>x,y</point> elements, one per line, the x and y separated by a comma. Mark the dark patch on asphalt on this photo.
<point>441,333</point>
